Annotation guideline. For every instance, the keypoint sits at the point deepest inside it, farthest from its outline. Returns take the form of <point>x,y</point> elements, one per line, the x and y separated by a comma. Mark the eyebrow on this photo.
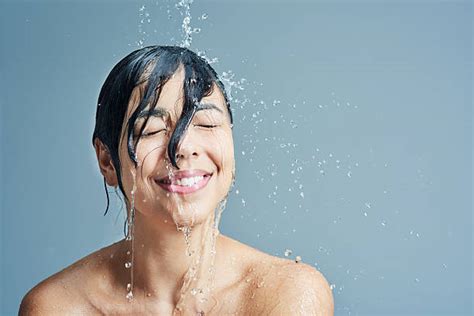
<point>160,112</point>
<point>207,106</point>
<point>156,112</point>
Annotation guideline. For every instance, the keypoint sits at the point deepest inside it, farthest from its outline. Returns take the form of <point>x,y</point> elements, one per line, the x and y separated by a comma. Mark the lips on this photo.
<point>185,181</point>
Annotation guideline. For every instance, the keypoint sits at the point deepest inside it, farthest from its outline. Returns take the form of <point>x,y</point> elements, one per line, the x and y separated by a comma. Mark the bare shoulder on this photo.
<point>278,286</point>
<point>303,290</point>
<point>50,297</point>
<point>63,293</point>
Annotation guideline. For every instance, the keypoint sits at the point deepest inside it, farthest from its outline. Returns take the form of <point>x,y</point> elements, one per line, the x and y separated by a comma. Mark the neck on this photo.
<point>163,255</point>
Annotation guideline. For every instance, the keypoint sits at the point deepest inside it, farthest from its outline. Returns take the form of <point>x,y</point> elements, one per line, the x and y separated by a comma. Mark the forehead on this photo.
<point>171,98</point>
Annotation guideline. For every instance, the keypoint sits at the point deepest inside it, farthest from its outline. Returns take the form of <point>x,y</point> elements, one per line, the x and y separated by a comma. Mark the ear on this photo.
<point>105,163</point>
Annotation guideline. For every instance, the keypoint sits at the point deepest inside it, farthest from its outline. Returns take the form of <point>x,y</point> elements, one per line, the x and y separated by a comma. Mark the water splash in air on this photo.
<point>129,238</point>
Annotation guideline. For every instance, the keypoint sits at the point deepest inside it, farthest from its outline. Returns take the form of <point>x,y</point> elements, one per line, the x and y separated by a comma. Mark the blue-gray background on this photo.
<point>353,139</point>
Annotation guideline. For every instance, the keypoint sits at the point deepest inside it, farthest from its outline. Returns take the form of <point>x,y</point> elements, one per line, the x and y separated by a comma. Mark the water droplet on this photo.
<point>302,194</point>
<point>128,265</point>
<point>365,214</point>
<point>204,16</point>
<point>332,286</point>
<point>417,280</point>
<point>129,287</point>
<point>298,259</point>
<point>129,296</point>
<point>288,252</point>
<point>349,174</point>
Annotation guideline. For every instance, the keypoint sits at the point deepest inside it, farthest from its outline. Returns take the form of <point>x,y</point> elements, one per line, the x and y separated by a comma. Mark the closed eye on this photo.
<point>145,134</point>
<point>205,126</point>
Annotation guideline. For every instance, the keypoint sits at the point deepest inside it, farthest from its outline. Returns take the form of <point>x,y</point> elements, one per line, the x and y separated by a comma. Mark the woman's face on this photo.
<point>205,157</point>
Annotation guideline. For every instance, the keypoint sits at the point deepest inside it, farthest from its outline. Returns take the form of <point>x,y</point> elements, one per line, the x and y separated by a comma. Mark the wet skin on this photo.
<point>246,281</point>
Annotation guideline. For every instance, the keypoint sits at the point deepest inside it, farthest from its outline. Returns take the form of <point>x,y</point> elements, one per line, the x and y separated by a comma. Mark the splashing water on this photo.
<point>215,232</point>
<point>187,239</point>
<point>205,257</point>
<point>184,7</point>
<point>209,60</point>
<point>232,87</point>
<point>144,17</point>
<point>231,84</point>
<point>129,238</point>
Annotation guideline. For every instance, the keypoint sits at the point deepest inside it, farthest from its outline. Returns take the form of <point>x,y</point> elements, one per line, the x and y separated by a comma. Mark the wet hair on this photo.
<point>151,66</point>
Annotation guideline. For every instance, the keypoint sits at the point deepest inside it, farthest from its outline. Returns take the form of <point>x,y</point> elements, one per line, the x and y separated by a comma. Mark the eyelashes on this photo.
<point>209,126</point>
<point>147,134</point>
<point>153,133</point>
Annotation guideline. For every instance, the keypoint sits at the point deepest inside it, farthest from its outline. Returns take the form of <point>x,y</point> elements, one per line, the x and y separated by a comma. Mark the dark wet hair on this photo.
<point>152,66</point>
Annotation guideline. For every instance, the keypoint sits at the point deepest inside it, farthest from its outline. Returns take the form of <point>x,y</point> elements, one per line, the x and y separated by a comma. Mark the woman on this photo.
<point>163,135</point>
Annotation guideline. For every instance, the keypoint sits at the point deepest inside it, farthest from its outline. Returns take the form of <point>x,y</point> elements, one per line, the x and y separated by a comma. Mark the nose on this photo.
<point>183,154</point>
<point>187,148</point>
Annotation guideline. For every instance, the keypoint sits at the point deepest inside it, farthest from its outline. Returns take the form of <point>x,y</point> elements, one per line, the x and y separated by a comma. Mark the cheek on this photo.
<point>149,156</point>
<point>223,156</point>
<point>150,149</point>
<point>221,146</point>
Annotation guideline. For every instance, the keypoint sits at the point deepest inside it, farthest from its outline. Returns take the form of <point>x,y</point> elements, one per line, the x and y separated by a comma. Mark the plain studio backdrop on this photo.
<point>353,138</point>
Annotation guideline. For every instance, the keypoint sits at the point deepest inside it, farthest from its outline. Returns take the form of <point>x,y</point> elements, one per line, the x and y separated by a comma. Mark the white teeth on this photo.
<point>187,182</point>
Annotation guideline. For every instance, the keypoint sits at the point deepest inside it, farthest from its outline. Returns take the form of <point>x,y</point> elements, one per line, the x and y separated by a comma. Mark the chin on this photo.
<point>190,215</point>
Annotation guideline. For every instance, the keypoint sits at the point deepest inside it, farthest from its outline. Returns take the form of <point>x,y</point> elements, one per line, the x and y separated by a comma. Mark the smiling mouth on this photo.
<point>184,185</point>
